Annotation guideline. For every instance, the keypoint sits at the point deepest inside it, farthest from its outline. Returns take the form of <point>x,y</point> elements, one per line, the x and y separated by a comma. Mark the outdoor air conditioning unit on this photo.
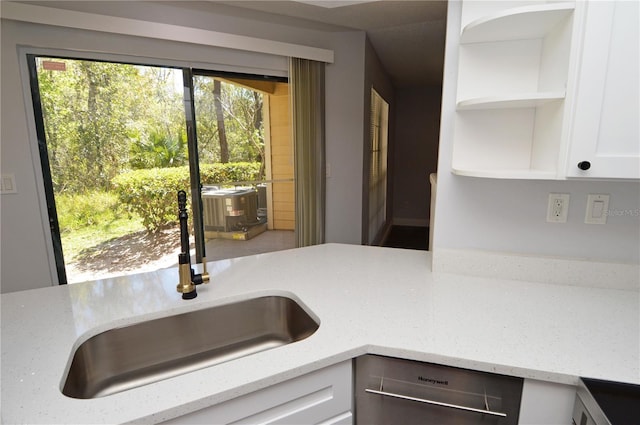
<point>228,210</point>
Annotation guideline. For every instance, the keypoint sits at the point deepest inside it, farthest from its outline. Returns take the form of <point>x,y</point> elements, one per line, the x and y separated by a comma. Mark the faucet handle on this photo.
<point>182,200</point>
<point>186,286</point>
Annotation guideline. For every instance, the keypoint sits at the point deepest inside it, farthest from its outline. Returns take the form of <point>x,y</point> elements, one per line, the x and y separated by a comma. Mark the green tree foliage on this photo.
<point>162,136</point>
<point>159,150</point>
<point>243,122</point>
<point>222,133</point>
<point>103,118</point>
<point>88,111</point>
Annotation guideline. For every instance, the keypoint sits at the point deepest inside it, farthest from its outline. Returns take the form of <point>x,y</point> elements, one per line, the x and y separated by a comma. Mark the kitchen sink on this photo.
<point>123,358</point>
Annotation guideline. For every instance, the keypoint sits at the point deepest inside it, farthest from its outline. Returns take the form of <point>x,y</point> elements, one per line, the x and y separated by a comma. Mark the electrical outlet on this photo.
<point>558,207</point>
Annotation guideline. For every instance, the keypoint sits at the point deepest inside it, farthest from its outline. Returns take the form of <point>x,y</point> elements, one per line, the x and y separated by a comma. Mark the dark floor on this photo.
<point>410,237</point>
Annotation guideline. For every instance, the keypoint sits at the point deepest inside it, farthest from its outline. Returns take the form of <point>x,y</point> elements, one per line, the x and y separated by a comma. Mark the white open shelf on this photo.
<point>524,174</point>
<point>525,100</point>
<point>508,143</point>
<point>512,81</point>
<point>518,23</point>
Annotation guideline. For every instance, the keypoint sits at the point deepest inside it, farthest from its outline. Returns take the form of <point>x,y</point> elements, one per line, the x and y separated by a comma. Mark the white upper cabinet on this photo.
<point>605,140</point>
<point>543,86</point>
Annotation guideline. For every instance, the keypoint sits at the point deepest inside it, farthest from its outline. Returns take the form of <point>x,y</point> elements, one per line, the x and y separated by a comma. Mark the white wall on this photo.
<point>415,153</point>
<point>25,261</point>
<point>510,215</point>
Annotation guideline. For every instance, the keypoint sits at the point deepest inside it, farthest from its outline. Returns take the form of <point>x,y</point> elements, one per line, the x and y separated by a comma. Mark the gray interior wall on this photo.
<point>415,153</point>
<point>344,135</point>
<point>510,215</point>
<point>25,241</point>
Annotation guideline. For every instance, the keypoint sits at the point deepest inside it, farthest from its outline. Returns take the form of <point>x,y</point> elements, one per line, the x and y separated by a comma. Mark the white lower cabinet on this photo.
<point>325,397</point>
<point>546,403</point>
<point>321,397</point>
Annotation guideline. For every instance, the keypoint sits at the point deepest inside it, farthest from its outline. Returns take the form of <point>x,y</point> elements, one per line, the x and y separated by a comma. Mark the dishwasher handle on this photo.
<point>436,403</point>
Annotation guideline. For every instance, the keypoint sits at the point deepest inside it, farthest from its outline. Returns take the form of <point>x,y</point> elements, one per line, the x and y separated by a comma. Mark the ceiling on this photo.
<point>407,35</point>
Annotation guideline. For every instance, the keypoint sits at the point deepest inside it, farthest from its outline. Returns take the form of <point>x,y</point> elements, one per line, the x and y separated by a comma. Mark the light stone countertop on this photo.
<point>368,300</point>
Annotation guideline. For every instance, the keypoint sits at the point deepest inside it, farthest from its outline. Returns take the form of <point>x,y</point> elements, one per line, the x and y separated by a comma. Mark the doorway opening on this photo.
<point>242,119</point>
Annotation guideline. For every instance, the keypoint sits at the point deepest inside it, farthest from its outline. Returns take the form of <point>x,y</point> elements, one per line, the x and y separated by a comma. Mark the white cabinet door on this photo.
<point>324,396</point>
<point>605,138</point>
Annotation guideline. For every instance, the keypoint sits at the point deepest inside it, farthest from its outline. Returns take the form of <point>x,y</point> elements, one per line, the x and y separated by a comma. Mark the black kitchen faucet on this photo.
<point>188,278</point>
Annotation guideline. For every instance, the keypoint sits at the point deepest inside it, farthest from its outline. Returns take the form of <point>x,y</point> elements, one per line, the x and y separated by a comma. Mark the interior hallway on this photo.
<point>408,237</point>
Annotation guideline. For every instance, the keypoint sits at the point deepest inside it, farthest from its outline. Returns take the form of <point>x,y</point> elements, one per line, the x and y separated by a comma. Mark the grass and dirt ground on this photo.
<point>100,239</point>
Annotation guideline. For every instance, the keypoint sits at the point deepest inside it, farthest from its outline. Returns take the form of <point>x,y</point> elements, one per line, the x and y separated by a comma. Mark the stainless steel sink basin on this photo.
<point>128,357</point>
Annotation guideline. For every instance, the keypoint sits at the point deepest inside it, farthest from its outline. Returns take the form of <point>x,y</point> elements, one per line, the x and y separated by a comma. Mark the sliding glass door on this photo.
<point>245,163</point>
<point>103,129</point>
<point>117,141</point>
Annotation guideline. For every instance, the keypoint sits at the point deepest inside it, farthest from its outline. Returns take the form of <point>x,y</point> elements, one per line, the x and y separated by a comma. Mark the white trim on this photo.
<point>37,168</point>
<point>136,27</point>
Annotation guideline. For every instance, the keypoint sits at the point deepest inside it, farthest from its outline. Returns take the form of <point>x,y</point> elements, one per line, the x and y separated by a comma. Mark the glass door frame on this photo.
<point>52,213</point>
<point>194,164</point>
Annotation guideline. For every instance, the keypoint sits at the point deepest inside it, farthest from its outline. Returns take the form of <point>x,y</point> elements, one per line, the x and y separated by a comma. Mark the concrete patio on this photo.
<point>268,241</point>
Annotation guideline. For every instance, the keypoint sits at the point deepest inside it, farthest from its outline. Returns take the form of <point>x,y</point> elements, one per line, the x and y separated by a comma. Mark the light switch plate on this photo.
<point>8,184</point>
<point>597,208</point>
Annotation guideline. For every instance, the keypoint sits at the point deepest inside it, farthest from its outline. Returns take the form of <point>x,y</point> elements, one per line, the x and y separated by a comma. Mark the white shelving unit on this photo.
<point>513,70</point>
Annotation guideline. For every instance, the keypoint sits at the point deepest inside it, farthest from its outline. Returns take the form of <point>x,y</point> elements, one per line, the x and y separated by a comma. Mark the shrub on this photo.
<point>77,211</point>
<point>152,193</point>
<point>219,173</point>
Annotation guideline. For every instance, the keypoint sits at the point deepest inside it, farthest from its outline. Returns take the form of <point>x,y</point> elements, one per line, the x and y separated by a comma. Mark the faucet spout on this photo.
<point>188,279</point>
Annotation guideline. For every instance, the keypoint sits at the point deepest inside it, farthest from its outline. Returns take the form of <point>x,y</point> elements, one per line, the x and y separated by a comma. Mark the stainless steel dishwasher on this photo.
<point>396,391</point>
